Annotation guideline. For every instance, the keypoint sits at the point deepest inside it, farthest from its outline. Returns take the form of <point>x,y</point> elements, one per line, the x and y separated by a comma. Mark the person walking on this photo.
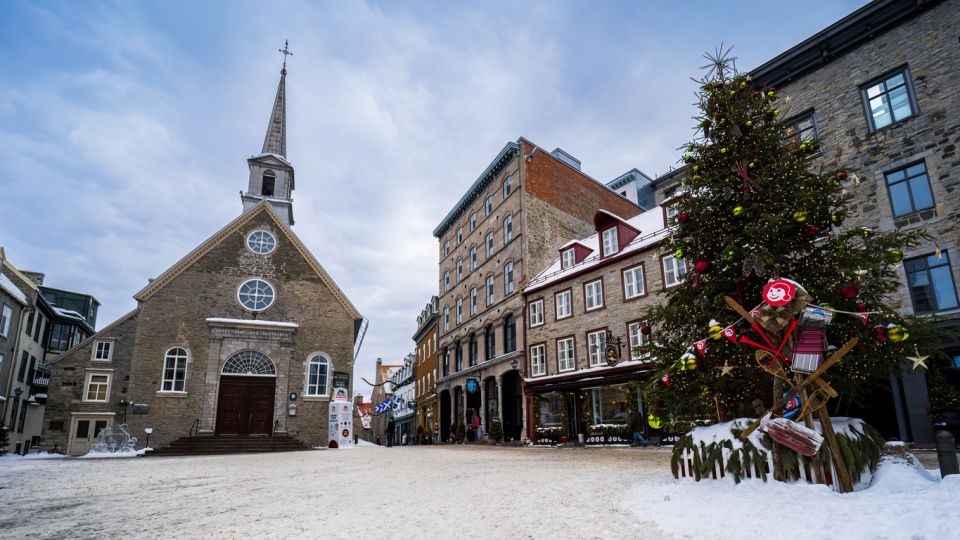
<point>391,429</point>
<point>636,425</point>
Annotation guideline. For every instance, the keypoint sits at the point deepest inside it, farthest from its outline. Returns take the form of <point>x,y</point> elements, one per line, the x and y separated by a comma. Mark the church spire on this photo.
<point>275,142</point>
<point>271,175</point>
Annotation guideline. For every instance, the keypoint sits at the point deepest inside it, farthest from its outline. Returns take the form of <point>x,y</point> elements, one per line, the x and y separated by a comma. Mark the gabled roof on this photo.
<point>232,227</point>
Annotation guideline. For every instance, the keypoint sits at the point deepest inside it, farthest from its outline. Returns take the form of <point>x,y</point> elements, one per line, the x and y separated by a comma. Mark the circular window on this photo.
<point>256,294</point>
<point>261,242</point>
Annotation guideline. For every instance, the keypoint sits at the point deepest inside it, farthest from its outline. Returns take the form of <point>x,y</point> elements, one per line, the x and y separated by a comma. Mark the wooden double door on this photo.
<point>245,405</point>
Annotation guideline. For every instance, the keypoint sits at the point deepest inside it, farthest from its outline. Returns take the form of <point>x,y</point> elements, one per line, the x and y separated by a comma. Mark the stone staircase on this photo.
<point>226,444</point>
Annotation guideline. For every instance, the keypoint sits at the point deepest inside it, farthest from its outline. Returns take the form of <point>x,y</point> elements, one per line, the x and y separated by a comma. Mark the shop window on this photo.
<point>613,404</point>
<point>551,410</point>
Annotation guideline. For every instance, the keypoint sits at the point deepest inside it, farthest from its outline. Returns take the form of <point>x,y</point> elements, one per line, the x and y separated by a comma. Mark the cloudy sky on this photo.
<point>125,126</point>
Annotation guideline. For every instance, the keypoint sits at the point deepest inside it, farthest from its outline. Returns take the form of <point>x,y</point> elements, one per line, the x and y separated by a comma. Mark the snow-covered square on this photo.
<point>434,492</point>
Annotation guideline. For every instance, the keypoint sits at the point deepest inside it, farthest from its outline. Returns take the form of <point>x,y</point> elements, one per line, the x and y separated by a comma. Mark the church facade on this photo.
<point>247,335</point>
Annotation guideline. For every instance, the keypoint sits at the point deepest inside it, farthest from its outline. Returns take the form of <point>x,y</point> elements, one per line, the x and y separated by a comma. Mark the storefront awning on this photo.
<point>588,382</point>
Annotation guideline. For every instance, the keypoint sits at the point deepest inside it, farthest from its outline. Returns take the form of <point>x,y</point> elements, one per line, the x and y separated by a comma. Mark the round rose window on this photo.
<point>256,294</point>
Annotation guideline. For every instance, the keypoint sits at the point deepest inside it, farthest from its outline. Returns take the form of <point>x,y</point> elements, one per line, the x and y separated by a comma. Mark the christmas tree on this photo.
<point>753,208</point>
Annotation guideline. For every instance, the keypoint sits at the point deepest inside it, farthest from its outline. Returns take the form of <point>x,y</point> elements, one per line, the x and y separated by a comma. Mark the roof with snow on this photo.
<point>652,230</point>
<point>12,289</point>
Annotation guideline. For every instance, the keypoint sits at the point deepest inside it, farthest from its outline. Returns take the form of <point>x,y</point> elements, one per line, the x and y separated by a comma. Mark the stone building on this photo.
<point>244,337</point>
<point>506,227</point>
<point>584,334</point>
<point>425,370</point>
<point>879,90</point>
<point>17,295</point>
<point>383,387</point>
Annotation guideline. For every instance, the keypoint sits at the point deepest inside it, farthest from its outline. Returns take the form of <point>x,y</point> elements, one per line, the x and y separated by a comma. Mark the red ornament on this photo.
<point>666,380</point>
<point>849,292</point>
<point>682,217</point>
<point>645,330</point>
<point>756,93</point>
<point>842,176</point>
<point>779,292</point>
<point>879,333</point>
<point>861,306</point>
<point>811,230</point>
<point>702,266</point>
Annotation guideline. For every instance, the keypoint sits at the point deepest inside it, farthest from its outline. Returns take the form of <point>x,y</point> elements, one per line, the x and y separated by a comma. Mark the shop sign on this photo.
<point>412,405</point>
<point>612,354</point>
<point>472,386</point>
<point>340,394</point>
<point>341,379</point>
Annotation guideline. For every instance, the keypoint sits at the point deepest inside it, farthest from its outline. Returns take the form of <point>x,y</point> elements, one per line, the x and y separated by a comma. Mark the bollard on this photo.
<point>946,453</point>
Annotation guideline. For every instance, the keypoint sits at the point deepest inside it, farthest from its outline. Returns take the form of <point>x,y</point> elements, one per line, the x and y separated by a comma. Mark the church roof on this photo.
<point>275,141</point>
<point>232,227</point>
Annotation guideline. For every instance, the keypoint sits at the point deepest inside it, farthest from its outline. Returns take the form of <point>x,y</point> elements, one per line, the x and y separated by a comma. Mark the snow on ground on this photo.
<point>903,501</point>
<point>475,491</point>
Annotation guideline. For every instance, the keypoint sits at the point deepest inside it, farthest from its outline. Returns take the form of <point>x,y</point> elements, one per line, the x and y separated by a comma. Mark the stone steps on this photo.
<point>211,445</point>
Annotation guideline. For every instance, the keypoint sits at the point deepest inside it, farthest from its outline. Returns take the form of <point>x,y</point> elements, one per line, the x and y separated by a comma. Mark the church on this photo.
<point>245,338</point>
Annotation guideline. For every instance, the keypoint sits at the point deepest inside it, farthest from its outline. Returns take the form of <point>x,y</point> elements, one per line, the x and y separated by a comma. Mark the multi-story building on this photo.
<point>637,187</point>
<point>54,320</point>
<point>585,336</point>
<point>383,388</point>
<point>878,89</point>
<point>404,390</point>
<point>17,294</point>
<point>507,226</point>
<point>425,370</point>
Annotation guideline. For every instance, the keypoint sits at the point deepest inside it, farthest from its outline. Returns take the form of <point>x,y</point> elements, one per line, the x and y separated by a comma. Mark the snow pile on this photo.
<point>126,454</point>
<point>38,455</point>
<point>903,501</point>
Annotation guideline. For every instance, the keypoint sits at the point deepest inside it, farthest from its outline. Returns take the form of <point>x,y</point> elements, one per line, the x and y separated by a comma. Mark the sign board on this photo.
<point>472,386</point>
<point>341,394</point>
<point>141,408</point>
<point>340,427</point>
<point>612,354</point>
<point>341,379</point>
<point>411,405</point>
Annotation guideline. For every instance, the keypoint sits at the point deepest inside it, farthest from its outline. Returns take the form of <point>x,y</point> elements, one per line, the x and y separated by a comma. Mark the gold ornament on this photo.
<point>897,334</point>
<point>737,211</point>
<point>800,216</point>
<point>654,421</point>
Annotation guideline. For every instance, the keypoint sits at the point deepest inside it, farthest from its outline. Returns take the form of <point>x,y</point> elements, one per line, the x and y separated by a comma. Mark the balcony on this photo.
<point>39,380</point>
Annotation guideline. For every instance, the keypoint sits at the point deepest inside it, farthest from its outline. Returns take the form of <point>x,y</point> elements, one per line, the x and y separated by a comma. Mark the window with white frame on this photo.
<point>459,311</point>
<point>98,387</point>
<point>538,360</point>
<point>489,245</point>
<point>5,317</point>
<point>506,187</point>
<point>565,360</point>
<point>507,229</point>
<point>102,351</point>
<point>473,221</point>
<point>489,291</point>
<point>674,270</point>
<point>488,205</point>
<point>671,213</point>
<point>473,258</point>
<point>446,248</point>
<point>563,304</point>
<point>593,292</point>
<point>446,318</point>
<point>446,281</point>
<point>317,372</point>
<point>459,235</point>
<point>536,313</point>
<point>633,282</point>
<point>256,294</point>
<point>473,301</point>
<point>595,348</point>
<point>459,270</point>
<point>610,245</point>
<point>174,370</point>
<point>508,278</point>
<point>637,340</point>
<point>568,258</point>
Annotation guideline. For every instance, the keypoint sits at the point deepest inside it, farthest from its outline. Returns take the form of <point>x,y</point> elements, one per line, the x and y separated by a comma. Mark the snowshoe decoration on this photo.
<point>794,436</point>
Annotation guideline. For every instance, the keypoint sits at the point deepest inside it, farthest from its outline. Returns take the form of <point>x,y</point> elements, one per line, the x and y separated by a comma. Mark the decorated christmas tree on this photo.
<point>754,208</point>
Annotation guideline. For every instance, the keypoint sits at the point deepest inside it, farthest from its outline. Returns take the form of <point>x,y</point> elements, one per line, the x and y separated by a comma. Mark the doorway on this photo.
<point>83,433</point>
<point>512,406</point>
<point>245,405</point>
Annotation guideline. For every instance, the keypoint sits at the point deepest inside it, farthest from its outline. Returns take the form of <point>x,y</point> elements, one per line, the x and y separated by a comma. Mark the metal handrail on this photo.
<point>196,424</point>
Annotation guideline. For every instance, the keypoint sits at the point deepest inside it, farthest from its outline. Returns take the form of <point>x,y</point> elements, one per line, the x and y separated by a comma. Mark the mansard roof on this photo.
<point>231,228</point>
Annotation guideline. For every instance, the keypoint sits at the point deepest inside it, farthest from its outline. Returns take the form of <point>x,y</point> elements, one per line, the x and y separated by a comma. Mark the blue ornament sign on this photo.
<point>472,386</point>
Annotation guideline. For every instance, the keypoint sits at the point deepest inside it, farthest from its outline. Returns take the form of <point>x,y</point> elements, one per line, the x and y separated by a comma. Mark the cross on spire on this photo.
<point>286,52</point>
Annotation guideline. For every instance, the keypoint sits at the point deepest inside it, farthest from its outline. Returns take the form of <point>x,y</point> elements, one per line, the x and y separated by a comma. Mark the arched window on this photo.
<point>508,278</point>
<point>507,229</point>
<point>489,244</point>
<point>269,183</point>
<point>509,334</point>
<point>473,350</point>
<point>506,187</point>
<point>490,342</point>
<point>457,356</point>
<point>317,371</point>
<point>473,258</point>
<point>174,370</point>
<point>249,363</point>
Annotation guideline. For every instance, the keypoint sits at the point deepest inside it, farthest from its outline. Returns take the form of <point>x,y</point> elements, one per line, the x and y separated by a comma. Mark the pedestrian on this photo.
<point>636,425</point>
<point>479,428</point>
<point>391,429</point>
<point>403,440</point>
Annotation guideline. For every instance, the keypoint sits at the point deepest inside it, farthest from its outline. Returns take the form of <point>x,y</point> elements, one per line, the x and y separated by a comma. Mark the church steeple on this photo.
<point>271,175</point>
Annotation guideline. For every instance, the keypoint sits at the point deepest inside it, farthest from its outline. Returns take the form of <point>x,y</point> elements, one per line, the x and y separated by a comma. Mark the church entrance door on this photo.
<point>245,405</point>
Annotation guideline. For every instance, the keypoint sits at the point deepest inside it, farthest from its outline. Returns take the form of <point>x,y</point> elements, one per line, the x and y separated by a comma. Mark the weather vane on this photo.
<point>286,52</point>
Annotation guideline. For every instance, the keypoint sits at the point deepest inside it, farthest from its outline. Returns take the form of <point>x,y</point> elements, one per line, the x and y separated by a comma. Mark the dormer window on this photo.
<point>567,259</point>
<point>610,245</point>
<point>269,184</point>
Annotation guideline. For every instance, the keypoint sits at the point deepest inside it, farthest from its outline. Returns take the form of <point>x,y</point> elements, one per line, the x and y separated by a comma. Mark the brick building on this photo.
<point>244,336</point>
<point>425,370</point>
<point>506,227</point>
<point>879,90</point>
<point>587,300</point>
